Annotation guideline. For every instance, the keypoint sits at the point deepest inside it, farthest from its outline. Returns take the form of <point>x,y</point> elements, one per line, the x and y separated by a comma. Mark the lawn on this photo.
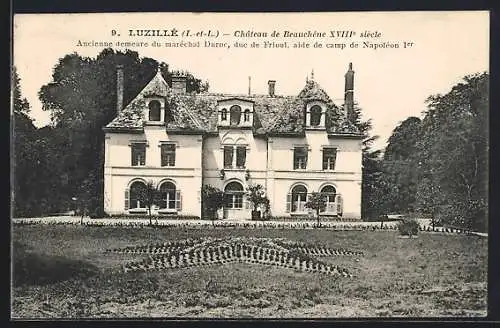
<point>63,271</point>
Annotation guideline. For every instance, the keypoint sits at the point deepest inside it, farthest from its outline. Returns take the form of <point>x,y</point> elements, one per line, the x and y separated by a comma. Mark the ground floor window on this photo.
<point>233,195</point>
<point>136,196</point>
<point>331,194</point>
<point>169,197</point>
<point>296,200</point>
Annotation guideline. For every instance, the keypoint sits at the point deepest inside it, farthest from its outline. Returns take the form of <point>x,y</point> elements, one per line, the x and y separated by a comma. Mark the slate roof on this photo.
<point>198,112</point>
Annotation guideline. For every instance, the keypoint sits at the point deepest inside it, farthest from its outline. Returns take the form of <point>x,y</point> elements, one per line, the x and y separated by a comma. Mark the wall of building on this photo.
<point>186,174</point>
<point>346,178</point>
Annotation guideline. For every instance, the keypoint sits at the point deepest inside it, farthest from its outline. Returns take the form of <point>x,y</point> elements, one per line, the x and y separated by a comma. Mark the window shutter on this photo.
<point>178,200</point>
<point>339,205</point>
<point>288,203</point>
<point>127,200</point>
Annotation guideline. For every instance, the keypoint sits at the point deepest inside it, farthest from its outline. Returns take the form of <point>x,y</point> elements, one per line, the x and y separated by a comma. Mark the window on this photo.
<point>315,115</point>
<point>297,199</point>
<point>138,154</point>
<point>168,154</point>
<point>241,154</point>
<point>137,192</point>
<point>170,198</point>
<point>154,110</point>
<point>299,158</point>
<point>330,193</point>
<point>228,156</point>
<point>234,115</point>
<point>329,158</point>
<point>223,114</point>
<point>246,115</point>
<point>233,195</point>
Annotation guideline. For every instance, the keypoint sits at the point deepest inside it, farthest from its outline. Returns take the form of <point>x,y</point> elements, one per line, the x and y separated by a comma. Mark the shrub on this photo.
<point>408,227</point>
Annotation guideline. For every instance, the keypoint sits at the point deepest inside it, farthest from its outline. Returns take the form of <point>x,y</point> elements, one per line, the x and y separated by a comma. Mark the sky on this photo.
<point>391,84</point>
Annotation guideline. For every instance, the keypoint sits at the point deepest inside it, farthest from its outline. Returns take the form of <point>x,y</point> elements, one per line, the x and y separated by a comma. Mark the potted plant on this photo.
<point>257,196</point>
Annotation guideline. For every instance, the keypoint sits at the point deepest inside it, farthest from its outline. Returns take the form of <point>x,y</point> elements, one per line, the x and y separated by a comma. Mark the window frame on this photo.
<point>164,154</point>
<point>326,164</point>
<point>136,162</point>
<point>296,158</point>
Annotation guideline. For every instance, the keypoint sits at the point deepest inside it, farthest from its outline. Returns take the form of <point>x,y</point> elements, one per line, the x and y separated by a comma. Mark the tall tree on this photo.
<point>400,166</point>
<point>453,153</point>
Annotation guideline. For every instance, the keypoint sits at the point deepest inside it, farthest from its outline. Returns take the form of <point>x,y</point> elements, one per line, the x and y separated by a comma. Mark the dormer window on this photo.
<point>246,115</point>
<point>234,115</point>
<point>154,110</point>
<point>316,115</point>
<point>223,114</point>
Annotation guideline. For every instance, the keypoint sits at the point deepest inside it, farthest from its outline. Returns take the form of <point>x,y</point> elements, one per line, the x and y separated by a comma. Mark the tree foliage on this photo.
<point>438,165</point>
<point>256,194</point>
<point>316,202</point>
<point>212,200</point>
<point>149,195</point>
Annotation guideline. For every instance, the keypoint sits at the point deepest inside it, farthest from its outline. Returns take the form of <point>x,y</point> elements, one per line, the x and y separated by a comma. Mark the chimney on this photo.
<point>271,84</point>
<point>349,93</point>
<point>249,85</point>
<point>119,88</point>
<point>179,83</point>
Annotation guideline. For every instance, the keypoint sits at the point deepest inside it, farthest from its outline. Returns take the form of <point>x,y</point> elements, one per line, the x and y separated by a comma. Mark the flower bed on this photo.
<point>211,251</point>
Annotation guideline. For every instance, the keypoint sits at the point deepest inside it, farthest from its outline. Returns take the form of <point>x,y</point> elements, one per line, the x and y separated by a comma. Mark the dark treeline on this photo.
<point>438,165</point>
<point>55,163</point>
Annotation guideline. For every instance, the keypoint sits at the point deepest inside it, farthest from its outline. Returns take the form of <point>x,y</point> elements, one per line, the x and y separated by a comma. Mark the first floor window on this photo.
<point>228,156</point>
<point>168,154</point>
<point>329,158</point>
<point>233,195</point>
<point>235,156</point>
<point>299,158</point>
<point>138,154</point>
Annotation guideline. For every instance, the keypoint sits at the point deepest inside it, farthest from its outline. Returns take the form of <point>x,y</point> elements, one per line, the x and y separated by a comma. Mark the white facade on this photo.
<point>231,155</point>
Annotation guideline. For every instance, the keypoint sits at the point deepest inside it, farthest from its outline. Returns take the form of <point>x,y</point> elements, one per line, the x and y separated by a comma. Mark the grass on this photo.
<point>63,272</point>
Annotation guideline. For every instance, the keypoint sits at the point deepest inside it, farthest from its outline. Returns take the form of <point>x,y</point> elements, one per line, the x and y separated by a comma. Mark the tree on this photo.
<point>400,166</point>
<point>373,177</point>
<point>212,200</point>
<point>257,196</point>
<point>317,202</point>
<point>149,196</point>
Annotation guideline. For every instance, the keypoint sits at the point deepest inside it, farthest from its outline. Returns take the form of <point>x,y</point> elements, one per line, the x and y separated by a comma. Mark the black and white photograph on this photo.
<point>250,165</point>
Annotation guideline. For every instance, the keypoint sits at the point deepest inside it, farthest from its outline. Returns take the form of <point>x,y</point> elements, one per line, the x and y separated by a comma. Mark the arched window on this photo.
<point>315,115</point>
<point>330,193</point>
<point>298,198</point>
<point>137,192</point>
<point>246,115</point>
<point>154,110</point>
<point>223,114</point>
<point>168,196</point>
<point>233,194</point>
<point>234,115</point>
